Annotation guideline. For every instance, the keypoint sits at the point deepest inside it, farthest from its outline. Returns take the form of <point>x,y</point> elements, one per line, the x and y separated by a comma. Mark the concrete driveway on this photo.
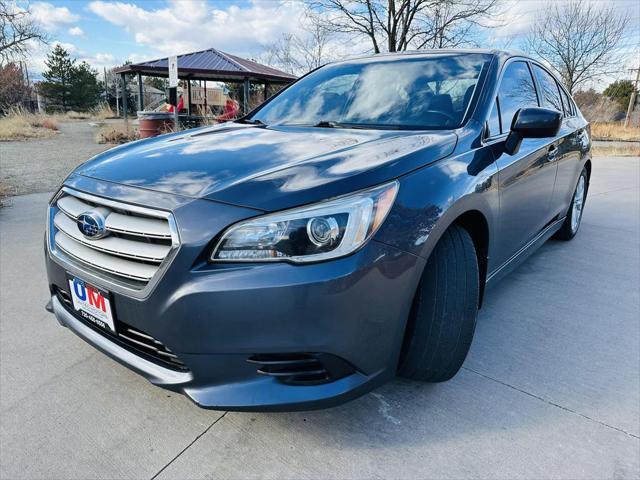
<point>551,388</point>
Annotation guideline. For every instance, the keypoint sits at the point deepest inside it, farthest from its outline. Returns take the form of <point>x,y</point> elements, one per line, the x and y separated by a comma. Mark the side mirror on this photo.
<point>532,123</point>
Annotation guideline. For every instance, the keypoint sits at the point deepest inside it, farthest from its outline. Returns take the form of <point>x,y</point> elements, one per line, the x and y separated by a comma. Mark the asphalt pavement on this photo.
<point>551,387</point>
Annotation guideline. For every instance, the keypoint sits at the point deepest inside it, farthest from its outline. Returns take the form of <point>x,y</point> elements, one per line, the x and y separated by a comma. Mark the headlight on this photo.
<point>322,231</point>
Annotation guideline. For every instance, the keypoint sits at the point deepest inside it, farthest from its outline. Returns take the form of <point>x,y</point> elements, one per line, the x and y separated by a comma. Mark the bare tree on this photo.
<point>300,53</point>
<point>397,25</point>
<point>279,54</point>
<point>579,40</point>
<point>312,46</point>
<point>451,23</point>
<point>19,31</point>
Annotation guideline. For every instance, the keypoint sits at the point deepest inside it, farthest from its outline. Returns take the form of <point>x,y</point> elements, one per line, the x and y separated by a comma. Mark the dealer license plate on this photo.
<point>91,303</point>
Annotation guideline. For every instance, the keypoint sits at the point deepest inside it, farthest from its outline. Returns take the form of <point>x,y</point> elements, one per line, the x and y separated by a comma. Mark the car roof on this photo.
<point>503,54</point>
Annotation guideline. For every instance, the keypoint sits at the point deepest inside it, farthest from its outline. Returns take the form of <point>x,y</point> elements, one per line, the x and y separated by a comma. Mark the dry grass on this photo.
<point>20,124</point>
<point>48,123</point>
<point>116,133</point>
<point>614,131</point>
<point>618,150</point>
<point>72,115</point>
<point>102,112</point>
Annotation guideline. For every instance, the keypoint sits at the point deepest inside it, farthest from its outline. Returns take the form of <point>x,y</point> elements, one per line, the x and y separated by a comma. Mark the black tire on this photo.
<point>569,229</point>
<point>444,311</point>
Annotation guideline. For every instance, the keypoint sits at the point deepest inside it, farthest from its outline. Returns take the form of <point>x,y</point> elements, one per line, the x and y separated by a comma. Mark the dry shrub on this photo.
<point>167,127</point>
<point>614,131</point>
<point>49,123</point>
<point>116,133</point>
<point>102,112</point>
<point>19,124</point>
<point>597,107</point>
<point>208,121</point>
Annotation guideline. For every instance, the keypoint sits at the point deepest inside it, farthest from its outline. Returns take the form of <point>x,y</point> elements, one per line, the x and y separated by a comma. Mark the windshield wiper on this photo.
<point>329,124</point>
<point>251,122</point>
<point>321,124</point>
<point>332,124</point>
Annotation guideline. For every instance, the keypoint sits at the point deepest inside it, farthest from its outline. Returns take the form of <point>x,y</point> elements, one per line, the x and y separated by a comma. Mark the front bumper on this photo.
<point>215,318</point>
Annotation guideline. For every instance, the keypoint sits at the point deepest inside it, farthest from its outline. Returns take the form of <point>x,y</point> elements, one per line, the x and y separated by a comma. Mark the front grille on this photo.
<point>131,338</point>
<point>137,243</point>
<point>301,368</point>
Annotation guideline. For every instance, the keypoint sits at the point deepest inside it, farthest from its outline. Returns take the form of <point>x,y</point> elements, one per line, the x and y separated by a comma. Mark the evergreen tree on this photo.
<point>69,85</point>
<point>85,89</point>
<point>58,78</point>
<point>620,91</point>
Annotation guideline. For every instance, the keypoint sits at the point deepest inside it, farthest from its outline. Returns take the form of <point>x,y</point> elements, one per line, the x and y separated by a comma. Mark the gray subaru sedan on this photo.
<point>340,234</point>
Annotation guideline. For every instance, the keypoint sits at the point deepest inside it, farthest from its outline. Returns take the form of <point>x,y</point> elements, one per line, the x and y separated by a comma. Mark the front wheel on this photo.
<point>574,216</point>
<point>444,311</point>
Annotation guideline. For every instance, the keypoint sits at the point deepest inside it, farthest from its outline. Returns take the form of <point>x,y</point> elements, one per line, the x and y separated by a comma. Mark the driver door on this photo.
<point>526,179</point>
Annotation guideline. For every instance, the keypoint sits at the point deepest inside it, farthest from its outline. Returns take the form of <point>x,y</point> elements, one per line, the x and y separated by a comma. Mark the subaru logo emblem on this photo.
<point>91,224</point>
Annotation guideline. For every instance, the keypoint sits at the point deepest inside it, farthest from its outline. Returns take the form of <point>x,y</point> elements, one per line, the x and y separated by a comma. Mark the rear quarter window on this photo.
<point>569,108</point>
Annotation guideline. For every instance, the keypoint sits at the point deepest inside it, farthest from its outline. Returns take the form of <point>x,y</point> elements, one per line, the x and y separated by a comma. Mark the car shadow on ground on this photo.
<point>533,361</point>
<point>411,412</point>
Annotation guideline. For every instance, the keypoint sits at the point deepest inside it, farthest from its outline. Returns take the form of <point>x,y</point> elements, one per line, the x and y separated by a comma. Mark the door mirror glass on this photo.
<point>532,123</point>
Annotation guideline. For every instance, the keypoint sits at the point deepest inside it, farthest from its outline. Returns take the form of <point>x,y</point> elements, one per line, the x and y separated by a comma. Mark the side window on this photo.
<point>494,121</point>
<point>566,103</point>
<point>517,91</point>
<point>550,92</point>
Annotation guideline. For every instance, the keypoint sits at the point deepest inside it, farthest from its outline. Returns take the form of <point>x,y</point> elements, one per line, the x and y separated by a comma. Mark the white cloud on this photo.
<point>69,47</point>
<point>137,57</point>
<point>99,60</point>
<point>40,52</point>
<point>51,17</point>
<point>186,26</point>
<point>76,32</point>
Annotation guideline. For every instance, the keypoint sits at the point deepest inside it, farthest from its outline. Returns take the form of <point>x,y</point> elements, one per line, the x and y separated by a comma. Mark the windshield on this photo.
<point>409,92</point>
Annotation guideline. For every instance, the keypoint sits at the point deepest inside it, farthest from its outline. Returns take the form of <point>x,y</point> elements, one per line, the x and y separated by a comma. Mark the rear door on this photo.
<point>526,179</point>
<point>567,148</point>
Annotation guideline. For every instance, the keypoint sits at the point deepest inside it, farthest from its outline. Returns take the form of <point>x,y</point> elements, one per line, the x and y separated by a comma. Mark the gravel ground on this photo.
<point>33,166</point>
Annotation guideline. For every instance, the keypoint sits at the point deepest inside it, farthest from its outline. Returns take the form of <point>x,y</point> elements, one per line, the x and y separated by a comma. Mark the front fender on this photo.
<point>432,198</point>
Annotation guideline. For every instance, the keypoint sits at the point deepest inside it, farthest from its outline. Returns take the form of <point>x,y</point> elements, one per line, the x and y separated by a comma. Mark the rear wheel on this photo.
<point>444,311</point>
<point>574,216</point>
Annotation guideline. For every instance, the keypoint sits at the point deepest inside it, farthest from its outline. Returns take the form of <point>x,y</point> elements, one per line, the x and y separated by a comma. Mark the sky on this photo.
<point>107,33</point>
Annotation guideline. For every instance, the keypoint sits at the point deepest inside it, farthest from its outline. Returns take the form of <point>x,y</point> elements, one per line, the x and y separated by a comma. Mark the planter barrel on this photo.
<point>152,124</point>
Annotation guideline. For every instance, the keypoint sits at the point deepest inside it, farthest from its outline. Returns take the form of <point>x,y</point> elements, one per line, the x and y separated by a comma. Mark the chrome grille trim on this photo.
<point>143,243</point>
<point>139,226</point>
<point>104,262</point>
<point>114,246</point>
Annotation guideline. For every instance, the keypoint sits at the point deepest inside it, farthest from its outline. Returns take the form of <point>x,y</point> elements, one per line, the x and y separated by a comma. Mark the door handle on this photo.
<point>552,153</point>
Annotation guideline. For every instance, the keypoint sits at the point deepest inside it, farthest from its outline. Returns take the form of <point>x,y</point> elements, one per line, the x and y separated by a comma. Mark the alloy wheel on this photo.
<point>578,204</point>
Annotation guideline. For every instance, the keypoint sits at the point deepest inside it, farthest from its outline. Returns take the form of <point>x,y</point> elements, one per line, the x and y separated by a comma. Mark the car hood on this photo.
<point>268,168</point>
